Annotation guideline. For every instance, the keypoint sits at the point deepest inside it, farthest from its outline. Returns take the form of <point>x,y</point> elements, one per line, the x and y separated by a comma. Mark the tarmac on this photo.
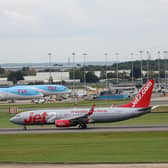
<point>40,130</point>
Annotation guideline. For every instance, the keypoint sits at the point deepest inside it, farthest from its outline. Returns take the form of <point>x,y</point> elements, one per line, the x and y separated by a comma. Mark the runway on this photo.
<point>142,128</point>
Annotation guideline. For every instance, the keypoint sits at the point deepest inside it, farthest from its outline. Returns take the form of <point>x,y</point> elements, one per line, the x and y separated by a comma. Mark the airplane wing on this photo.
<point>83,115</point>
<point>82,120</point>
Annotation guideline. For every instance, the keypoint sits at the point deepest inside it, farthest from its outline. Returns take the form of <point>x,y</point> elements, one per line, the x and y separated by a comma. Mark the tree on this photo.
<point>78,74</point>
<point>2,70</point>
<point>28,71</point>
<point>103,74</point>
<point>15,76</point>
<point>111,75</point>
<point>50,80</point>
<point>91,77</point>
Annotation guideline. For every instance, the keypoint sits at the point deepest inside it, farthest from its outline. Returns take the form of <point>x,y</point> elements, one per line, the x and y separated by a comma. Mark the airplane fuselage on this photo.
<point>19,93</point>
<point>47,90</point>
<point>100,115</point>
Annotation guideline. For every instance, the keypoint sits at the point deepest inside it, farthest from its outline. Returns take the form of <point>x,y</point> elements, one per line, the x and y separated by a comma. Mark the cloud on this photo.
<point>33,27</point>
<point>15,16</point>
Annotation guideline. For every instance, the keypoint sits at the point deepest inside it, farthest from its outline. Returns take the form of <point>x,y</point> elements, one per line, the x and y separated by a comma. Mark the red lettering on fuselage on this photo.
<point>30,119</point>
<point>51,88</point>
<point>36,118</point>
<point>22,91</point>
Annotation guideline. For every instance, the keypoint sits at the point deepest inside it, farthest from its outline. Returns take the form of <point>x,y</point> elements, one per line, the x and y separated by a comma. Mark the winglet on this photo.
<point>91,110</point>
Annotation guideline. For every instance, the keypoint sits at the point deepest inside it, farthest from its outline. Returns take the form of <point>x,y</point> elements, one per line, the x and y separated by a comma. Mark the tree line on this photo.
<point>90,76</point>
<point>15,76</point>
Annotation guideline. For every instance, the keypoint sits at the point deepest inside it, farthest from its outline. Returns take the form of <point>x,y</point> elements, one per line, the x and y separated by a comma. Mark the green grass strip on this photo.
<point>66,104</point>
<point>85,147</point>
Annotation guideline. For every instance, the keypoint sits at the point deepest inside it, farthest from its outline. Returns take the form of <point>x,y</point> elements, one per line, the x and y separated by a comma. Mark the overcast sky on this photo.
<point>29,29</point>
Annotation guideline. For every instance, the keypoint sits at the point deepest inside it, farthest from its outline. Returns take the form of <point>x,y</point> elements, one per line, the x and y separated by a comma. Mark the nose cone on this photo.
<point>40,94</point>
<point>13,120</point>
<point>68,91</point>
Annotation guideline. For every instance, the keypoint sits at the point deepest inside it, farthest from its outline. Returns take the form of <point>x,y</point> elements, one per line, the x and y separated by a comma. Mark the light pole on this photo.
<point>117,54</point>
<point>84,75</point>
<point>147,63</point>
<point>165,67</point>
<point>132,67</point>
<point>73,54</point>
<point>50,77</point>
<point>106,69</point>
<point>158,69</point>
<point>141,66</point>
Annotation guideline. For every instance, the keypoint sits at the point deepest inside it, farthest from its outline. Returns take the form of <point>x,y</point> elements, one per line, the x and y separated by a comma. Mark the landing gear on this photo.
<point>82,126</point>
<point>25,128</point>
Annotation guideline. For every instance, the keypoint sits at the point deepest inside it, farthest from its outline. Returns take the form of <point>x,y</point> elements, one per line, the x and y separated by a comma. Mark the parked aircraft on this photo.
<point>47,90</point>
<point>140,105</point>
<point>19,93</point>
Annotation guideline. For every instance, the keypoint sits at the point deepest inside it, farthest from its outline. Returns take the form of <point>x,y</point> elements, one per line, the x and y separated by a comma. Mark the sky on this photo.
<point>30,29</point>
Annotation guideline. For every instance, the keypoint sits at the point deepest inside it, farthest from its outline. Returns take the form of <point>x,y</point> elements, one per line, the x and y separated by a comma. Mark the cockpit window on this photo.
<point>18,115</point>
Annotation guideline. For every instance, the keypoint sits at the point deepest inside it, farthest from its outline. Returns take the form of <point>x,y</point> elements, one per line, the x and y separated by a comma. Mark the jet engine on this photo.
<point>64,123</point>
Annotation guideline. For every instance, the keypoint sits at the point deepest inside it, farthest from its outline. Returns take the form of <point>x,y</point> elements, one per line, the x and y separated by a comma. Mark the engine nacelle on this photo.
<point>63,123</point>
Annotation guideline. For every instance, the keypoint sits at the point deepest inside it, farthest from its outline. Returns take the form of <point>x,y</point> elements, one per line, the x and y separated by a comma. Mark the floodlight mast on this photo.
<point>132,67</point>
<point>73,54</point>
<point>141,61</point>
<point>148,58</point>
<point>106,69</point>
<point>158,69</point>
<point>117,54</point>
<point>49,57</point>
<point>84,73</point>
<point>165,67</point>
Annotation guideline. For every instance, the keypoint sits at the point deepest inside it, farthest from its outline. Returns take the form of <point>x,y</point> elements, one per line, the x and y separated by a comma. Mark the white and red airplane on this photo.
<point>140,105</point>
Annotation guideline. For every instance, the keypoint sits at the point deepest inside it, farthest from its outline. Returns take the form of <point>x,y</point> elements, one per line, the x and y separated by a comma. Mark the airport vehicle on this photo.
<point>38,101</point>
<point>47,90</point>
<point>88,88</point>
<point>19,93</point>
<point>72,117</point>
<point>109,95</point>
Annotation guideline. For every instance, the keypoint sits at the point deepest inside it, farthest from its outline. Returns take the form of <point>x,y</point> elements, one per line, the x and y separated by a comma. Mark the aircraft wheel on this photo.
<point>83,126</point>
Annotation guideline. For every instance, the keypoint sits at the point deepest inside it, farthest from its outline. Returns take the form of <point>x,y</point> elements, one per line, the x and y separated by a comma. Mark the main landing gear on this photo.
<point>82,126</point>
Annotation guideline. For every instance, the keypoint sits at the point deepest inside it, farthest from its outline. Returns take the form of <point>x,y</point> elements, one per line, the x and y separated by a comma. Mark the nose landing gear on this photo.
<point>25,128</point>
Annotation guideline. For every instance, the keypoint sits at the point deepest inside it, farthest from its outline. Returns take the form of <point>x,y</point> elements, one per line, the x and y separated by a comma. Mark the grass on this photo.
<point>4,120</point>
<point>161,109</point>
<point>65,104</point>
<point>85,147</point>
<point>148,119</point>
<point>107,103</point>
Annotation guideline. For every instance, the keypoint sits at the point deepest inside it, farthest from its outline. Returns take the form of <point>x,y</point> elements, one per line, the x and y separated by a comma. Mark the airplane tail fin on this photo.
<point>143,98</point>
